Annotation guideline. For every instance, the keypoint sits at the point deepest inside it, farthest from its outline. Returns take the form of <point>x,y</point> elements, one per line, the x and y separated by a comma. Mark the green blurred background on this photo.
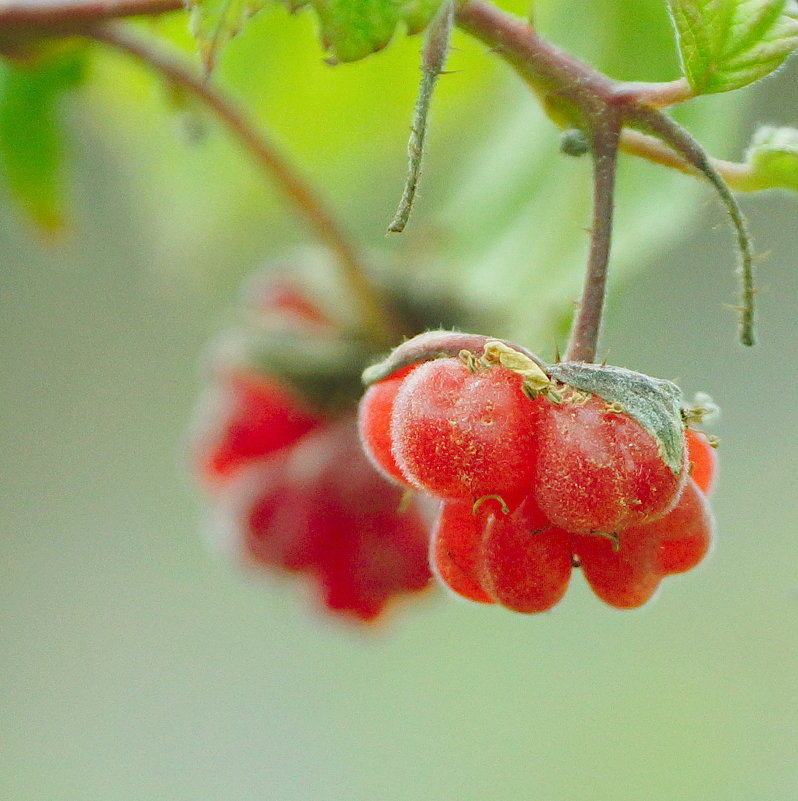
<point>135,665</point>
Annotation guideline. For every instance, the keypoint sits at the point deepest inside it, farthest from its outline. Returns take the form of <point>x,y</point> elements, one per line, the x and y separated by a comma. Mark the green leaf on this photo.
<point>353,29</point>
<point>214,23</point>
<point>772,159</point>
<point>728,44</point>
<point>30,137</point>
<point>349,29</point>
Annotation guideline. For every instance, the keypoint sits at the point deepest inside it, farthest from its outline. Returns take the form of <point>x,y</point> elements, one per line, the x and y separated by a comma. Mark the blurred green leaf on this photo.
<point>349,29</point>
<point>728,44</point>
<point>215,22</point>
<point>352,29</point>
<point>30,135</point>
<point>772,159</point>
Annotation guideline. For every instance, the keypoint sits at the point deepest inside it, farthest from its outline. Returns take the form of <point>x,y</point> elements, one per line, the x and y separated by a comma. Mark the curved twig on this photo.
<point>377,320</point>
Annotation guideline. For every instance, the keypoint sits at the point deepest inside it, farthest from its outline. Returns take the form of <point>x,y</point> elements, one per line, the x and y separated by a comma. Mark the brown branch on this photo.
<point>573,94</point>
<point>578,97</point>
<point>587,325</point>
<point>567,84</point>
<point>57,18</point>
<point>378,321</point>
<point>737,175</point>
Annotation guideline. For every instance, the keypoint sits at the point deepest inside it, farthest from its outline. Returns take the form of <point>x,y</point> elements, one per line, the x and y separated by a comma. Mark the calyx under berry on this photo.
<point>435,345</point>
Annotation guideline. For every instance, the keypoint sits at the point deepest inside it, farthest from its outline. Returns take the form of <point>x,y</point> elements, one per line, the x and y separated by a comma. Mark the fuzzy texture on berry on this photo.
<point>455,548</point>
<point>525,562</point>
<point>459,433</point>
<point>517,560</point>
<point>625,572</point>
<point>374,424</point>
<point>599,470</point>
<point>684,535</point>
<point>702,460</point>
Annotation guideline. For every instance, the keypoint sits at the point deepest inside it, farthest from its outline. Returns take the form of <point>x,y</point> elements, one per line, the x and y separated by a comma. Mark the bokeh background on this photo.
<point>137,665</point>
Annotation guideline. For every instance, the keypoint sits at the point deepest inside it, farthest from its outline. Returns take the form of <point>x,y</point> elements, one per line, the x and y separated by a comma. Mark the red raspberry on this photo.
<point>626,573</point>
<point>684,535</point>
<point>374,424</point>
<point>456,548</point>
<point>702,460</point>
<point>525,562</point>
<point>518,560</point>
<point>275,530</point>
<point>302,511</point>
<point>622,573</point>
<point>367,549</point>
<point>599,470</point>
<point>248,417</point>
<point>463,434</point>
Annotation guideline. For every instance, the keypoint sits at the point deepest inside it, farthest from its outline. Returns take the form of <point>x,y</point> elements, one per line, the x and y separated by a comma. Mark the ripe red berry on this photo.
<point>684,535</point>
<point>370,547</point>
<point>463,434</point>
<point>702,460</point>
<point>345,529</point>
<point>626,573</point>
<point>599,470</point>
<point>621,572</point>
<point>525,562</point>
<point>247,417</point>
<point>275,529</point>
<point>279,293</point>
<point>456,545</point>
<point>374,424</point>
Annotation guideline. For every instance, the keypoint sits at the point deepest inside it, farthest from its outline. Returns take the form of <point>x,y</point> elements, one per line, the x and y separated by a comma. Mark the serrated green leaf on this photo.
<point>772,159</point>
<point>728,44</point>
<point>30,136</point>
<point>353,29</point>
<point>214,23</point>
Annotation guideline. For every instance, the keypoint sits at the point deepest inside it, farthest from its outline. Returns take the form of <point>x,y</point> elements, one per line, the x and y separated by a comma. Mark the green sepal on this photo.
<point>652,402</point>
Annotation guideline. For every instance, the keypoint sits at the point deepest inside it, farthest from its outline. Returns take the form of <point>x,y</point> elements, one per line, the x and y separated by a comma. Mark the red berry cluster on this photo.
<point>277,451</point>
<point>540,469</point>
